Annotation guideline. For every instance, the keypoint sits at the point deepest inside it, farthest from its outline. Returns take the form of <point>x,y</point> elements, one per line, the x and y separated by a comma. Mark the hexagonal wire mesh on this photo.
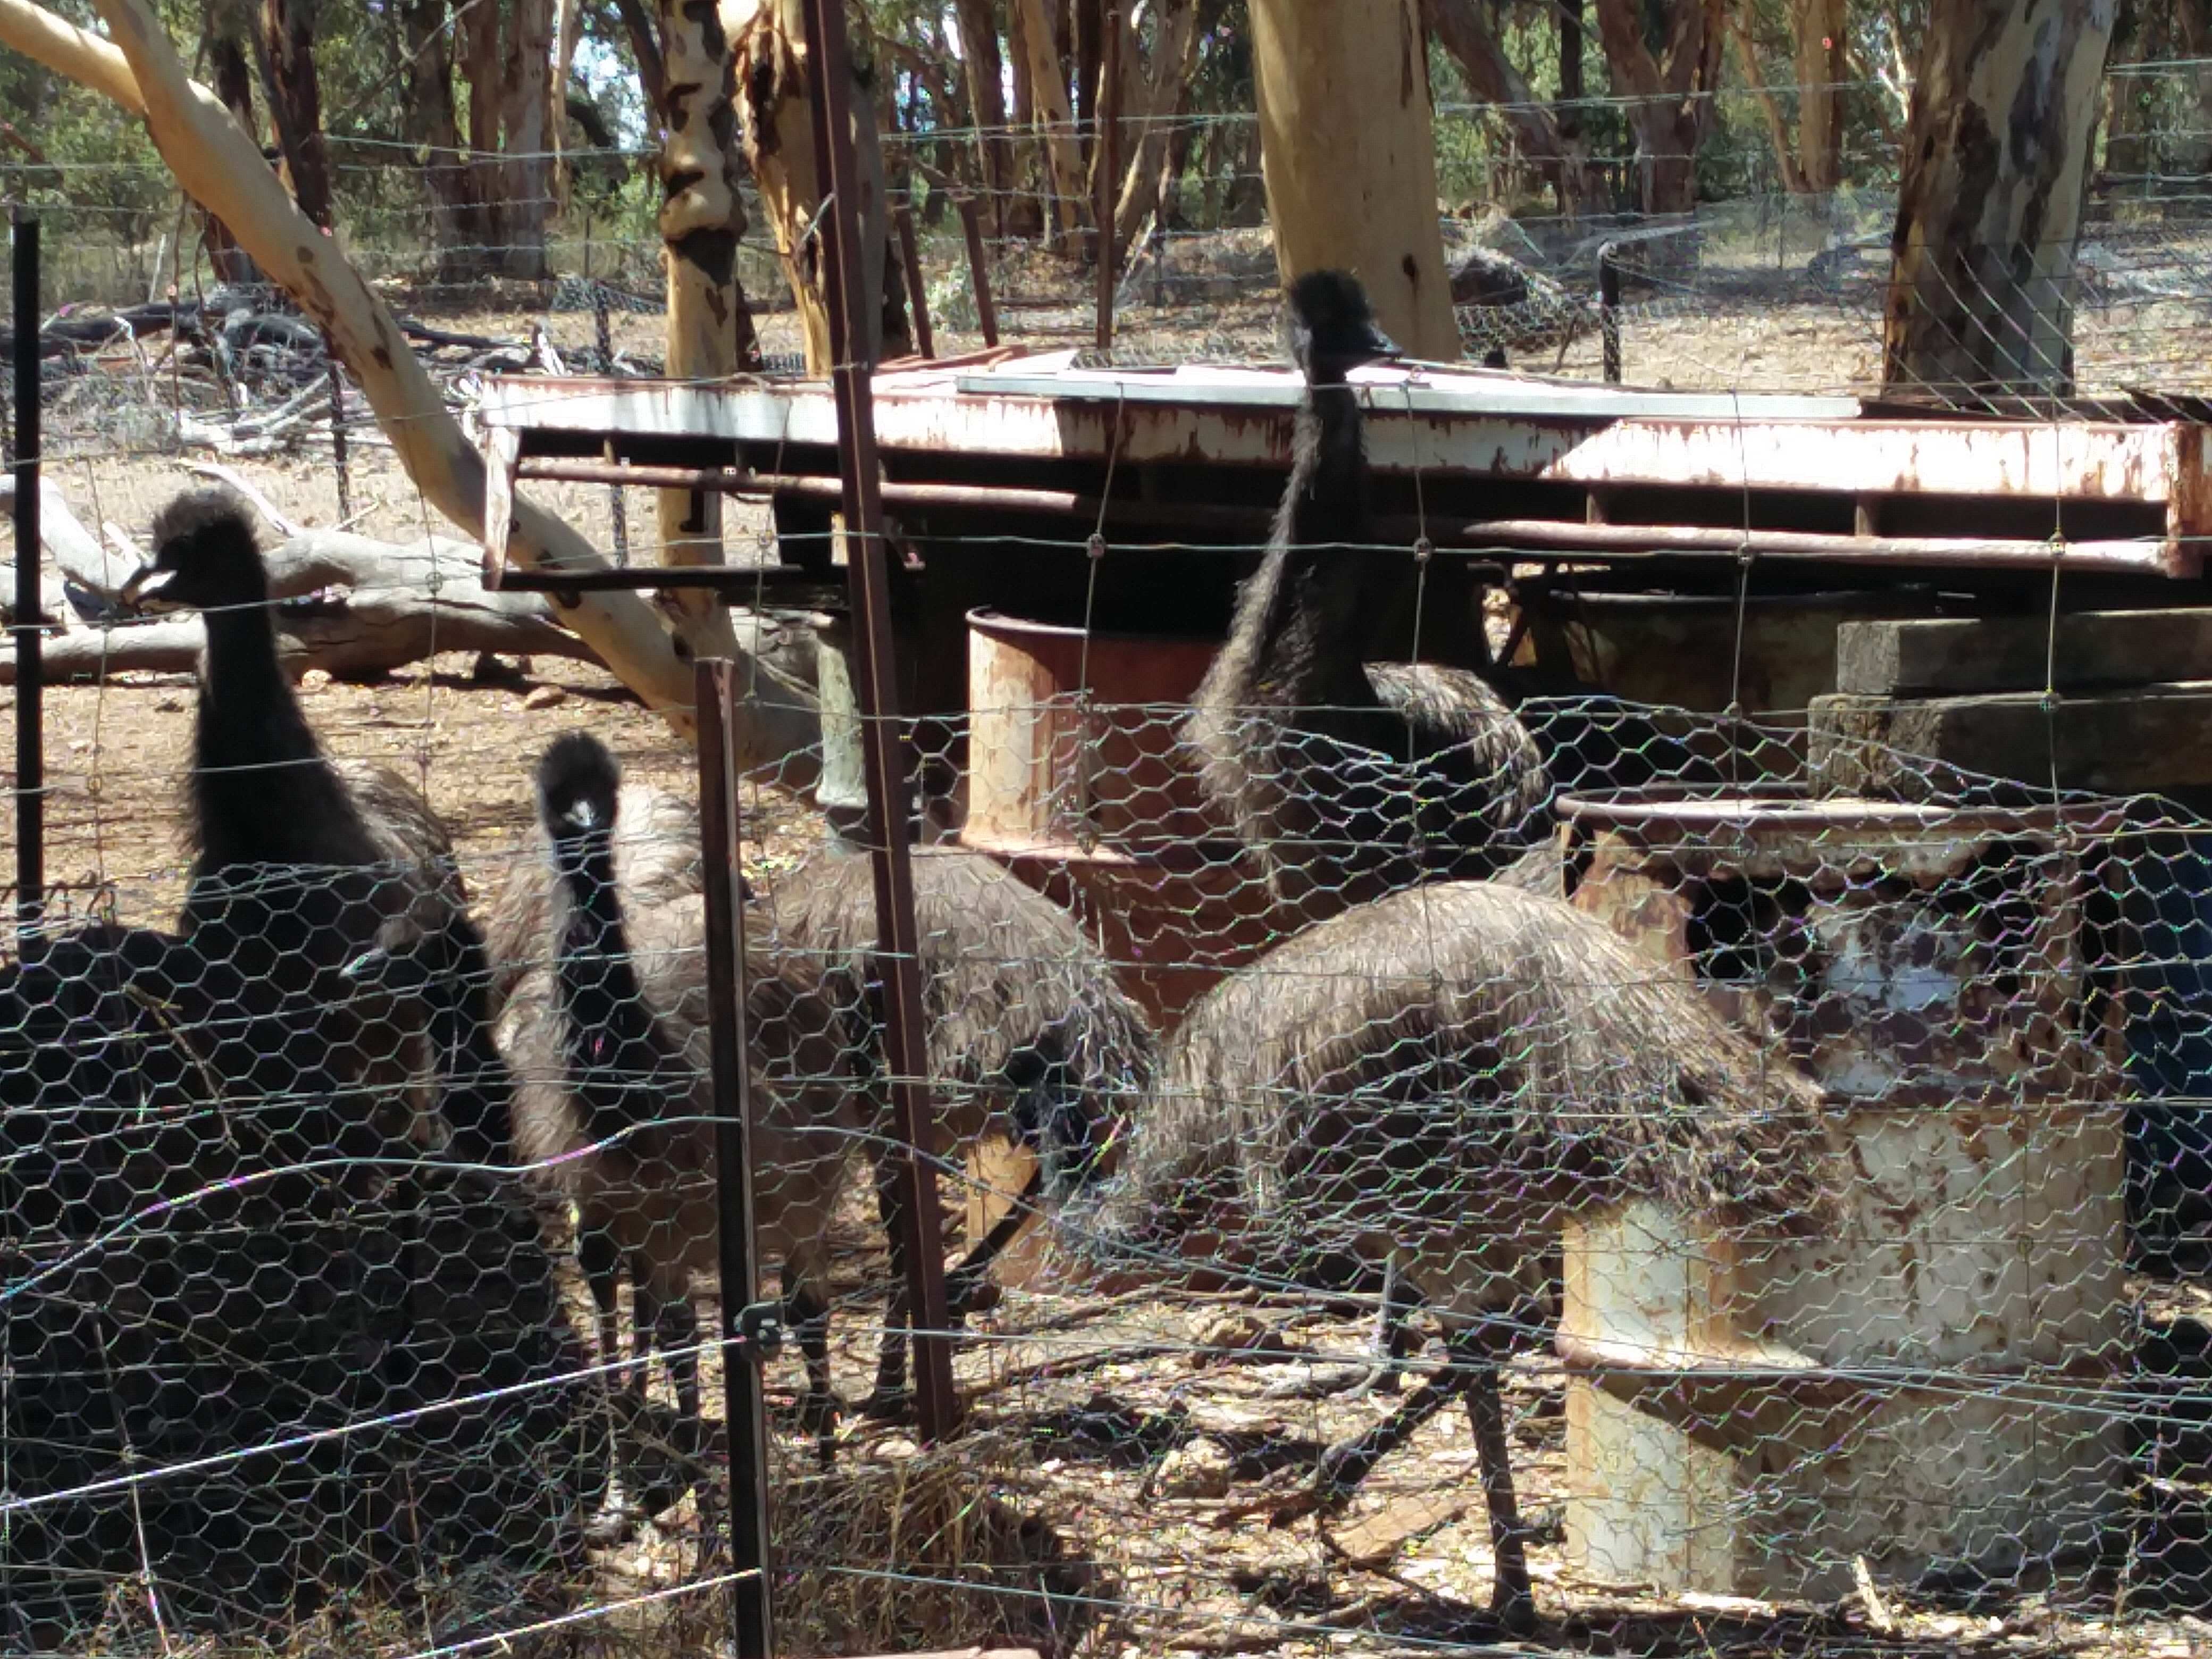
<point>1799,1198</point>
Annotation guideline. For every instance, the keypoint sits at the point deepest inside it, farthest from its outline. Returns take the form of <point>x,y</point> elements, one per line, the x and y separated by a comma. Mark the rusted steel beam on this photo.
<point>905,1033</point>
<point>2156,557</point>
<point>917,299</point>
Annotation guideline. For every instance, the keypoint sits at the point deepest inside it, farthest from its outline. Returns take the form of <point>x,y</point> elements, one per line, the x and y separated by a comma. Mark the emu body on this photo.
<point>1027,1031</point>
<point>1437,1081</point>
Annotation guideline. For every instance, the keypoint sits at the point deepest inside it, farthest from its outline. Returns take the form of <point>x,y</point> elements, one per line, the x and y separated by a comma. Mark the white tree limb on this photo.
<point>221,169</point>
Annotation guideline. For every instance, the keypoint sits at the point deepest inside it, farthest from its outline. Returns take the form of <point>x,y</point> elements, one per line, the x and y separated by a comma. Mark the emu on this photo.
<point>1439,1080</point>
<point>1027,1027</point>
<point>608,1029</point>
<point>1510,305</point>
<point>1348,780</point>
<point>300,862</point>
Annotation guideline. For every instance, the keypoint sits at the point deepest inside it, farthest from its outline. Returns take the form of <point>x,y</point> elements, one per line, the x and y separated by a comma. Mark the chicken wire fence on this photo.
<point>1812,1184</point>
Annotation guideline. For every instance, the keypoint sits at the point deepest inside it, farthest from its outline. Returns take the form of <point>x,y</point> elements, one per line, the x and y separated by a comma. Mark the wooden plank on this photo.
<point>2149,738</point>
<point>2095,648</point>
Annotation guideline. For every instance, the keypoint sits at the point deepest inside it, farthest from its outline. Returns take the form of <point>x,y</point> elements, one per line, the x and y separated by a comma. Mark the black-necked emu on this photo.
<point>1440,1080</point>
<point>300,865</point>
<point>607,1028</point>
<point>1348,778</point>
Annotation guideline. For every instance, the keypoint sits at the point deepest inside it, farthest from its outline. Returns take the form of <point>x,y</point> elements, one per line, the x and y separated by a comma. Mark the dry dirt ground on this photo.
<point>1130,1426</point>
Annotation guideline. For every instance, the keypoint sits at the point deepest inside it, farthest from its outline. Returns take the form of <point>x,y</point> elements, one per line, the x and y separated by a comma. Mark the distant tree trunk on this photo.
<point>287,33</point>
<point>455,230</point>
<point>483,67</point>
<point>644,38</point>
<point>1026,213</point>
<point>1161,86</point>
<point>1345,128</point>
<point>567,22</point>
<point>234,84</point>
<point>1055,120</point>
<point>985,71</point>
<point>1462,29</point>
<point>1671,107</point>
<point>1997,149</point>
<point>703,217</point>
<point>776,123</point>
<point>525,100</point>
<point>1821,74</point>
<point>2192,19</point>
<point>1778,129</point>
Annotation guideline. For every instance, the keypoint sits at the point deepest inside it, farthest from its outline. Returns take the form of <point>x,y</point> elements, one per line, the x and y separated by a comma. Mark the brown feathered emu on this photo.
<point>300,863</point>
<point>1348,778</point>
<point>1439,1080</point>
<point>607,1028</point>
<point>1028,1032</point>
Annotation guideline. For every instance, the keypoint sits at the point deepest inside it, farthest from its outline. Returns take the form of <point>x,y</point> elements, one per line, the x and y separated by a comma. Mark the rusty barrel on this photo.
<point>1922,1388</point>
<point>1078,782</point>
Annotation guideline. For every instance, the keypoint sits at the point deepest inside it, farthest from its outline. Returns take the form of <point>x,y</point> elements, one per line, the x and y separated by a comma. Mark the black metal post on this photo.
<point>917,299</point>
<point>744,1409</point>
<point>30,557</point>
<point>978,271</point>
<point>828,69</point>
<point>1609,309</point>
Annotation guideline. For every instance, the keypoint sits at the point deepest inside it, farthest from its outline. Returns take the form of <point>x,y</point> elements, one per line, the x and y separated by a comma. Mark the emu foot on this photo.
<point>963,1296</point>
<point>885,1404</point>
<point>1514,1608</point>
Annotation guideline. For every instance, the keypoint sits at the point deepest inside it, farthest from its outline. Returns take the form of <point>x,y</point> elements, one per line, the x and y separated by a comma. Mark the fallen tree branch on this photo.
<point>221,169</point>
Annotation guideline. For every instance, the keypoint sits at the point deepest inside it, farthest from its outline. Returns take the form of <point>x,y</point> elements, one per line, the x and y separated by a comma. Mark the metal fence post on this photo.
<point>978,271</point>
<point>905,1033</point>
<point>1609,309</point>
<point>744,1409</point>
<point>30,675</point>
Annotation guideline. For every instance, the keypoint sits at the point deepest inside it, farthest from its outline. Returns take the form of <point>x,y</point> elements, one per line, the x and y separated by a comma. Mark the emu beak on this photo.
<point>1380,346</point>
<point>383,970</point>
<point>146,583</point>
<point>583,817</point>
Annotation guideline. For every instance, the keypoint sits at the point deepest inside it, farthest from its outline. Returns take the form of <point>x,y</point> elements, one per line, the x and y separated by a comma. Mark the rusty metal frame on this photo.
<point>905,1032</point>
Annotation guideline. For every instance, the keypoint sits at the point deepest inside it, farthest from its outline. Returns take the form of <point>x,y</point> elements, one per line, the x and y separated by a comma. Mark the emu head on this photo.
<point>578,782</point>
<point>206,556</point>
<point>1331,328</point>
<point>1062,1117</point>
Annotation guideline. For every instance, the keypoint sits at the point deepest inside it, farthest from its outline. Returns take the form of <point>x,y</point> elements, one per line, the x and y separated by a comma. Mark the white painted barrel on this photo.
<point>1923,1389</point>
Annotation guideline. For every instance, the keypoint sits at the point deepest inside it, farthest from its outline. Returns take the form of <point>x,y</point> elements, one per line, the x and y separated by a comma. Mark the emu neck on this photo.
<point>618,1057</point>
<point>1309,582</point>
<point>262,792</point>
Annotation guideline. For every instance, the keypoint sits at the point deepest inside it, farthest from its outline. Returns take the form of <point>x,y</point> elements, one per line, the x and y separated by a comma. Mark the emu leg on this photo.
<point>889,1399</point>
<point>1348,1463</point>
<point>600,1262</point>
<point>1396,1339</point>
<point>675,1333</point>
<point>1509,1596</point>
<point>808,1311</point>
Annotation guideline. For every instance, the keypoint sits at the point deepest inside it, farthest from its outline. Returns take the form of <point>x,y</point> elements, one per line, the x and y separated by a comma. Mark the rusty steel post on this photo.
<point>917,299</point>
<point>829,68</point>
<point>1106,160</point>
<point>978,271</point>
<point>744,1409</point>
<point>30,676</point>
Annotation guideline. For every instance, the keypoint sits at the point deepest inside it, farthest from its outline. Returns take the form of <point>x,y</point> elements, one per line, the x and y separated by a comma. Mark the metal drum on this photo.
<point>1921,1388</point>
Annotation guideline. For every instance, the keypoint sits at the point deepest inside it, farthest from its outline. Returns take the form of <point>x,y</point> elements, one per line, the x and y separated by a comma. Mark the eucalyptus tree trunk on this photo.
<point>702,218</point>
<point>1997,150</point>
<point>1820,72</point>
<point>1346,136</point>
<point>295,104</point>
<point>525,100</point>
<point>234,84</point>
<point>456,229</point>
<point>1063,147</point>
<point>1156,100</point>
<point>985,71</point>
<point>776,124</point>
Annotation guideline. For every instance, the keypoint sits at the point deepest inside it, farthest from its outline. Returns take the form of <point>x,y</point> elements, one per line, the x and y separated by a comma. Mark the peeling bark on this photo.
<point>1346,130</point>
<point>1996,152</point>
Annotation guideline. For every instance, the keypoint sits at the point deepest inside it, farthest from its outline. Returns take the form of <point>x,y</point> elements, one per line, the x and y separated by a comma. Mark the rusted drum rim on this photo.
<point>999,625</point>
<point>1687,811</point>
